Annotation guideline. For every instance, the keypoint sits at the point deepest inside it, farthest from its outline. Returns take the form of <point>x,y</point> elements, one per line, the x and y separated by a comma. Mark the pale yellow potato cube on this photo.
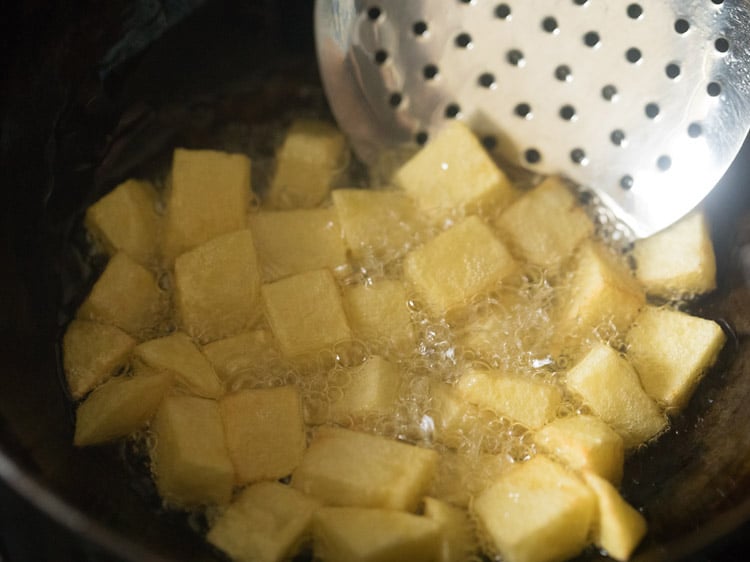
<point>526,400</point>
<point>348,534</point>
<point>119,407</point>
<point>190,461</point>
<point>536,512</point>
<point>267,522</point>
<point>458,264</point>
<point>372,389</point>
<point>290,242</point>
<point>619,527</point>
<point>584,443</point>
<point>305,312</point>
<point>463,475</point>
<point>610,386</point>
<point>265,432</point>
<point>91,353</point>
<point>457,542</point>
<point>452,415</point>
<point>126,220</point>
<point>217,287</point>
<point>248,354</point>
<point>127,296</point>
<point>670,350</point>
<point>311,156</point>
<point>454,174</point>
<point>209,196</point>
<point>347,468</point>
<point>546,225</point>
<point>678,261</point>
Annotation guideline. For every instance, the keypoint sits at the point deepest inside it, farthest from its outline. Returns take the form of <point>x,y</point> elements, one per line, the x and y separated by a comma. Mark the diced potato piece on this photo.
<point>127,296</point>
<point>306,164</point>
<point>190,462</point>
<point>347,534</point>
<point>347,468</point>
<point>246,354</point>
<point>217,287</point>
<point>177,354</point>
<point>584,443</point>
<point>91,353</point>
<point>451,414</point>
<point>265,432</point>
<point>305,312</point>
<point>119,407</point>
<point>454,173</point>
<point>290,242</point>
<point>125,220</point>
<point>266,523</point>
<point>530,402</point>
<point>611,388</point>
<point>620,527</point>
<point>457,541</point>
<point>677,261</point>
<point>536,512</point>
<point>462,475</point>
<point>209,196</point>
<point>670,350</point>
<point>457,265</point>
<point>546,225</point>
<point>372,388</point>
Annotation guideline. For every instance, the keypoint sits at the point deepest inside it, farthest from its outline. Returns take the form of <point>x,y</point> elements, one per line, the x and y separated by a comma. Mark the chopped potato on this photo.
<point>462,475</point>
<point>372,388</point>
<point>247,354</point>
<point>457,543</point>
<point>450,413</point>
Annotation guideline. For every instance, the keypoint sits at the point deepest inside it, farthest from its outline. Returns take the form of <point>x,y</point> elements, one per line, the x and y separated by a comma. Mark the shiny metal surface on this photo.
<point>646,102</point>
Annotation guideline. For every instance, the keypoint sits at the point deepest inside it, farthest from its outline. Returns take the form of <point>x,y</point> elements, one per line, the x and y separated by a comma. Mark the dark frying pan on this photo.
<point>91,96</point>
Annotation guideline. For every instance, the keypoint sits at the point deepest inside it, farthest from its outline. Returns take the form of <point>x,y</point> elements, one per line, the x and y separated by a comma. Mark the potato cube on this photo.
<point>190,462</point>
<point>463,475</point>
<point>536,512</point>
<point>451,413</point>
<point>610,386</point>
<point>127,296</point>
<point>457,542</point>
<point>248,354</point>
<point>209,196</point>
<point>678,261</point>
<point>670,350</point>
<point>119,407</point>
<point>312,154</point>
<point>619,527</point>
<point>305,312</point>
<point>528,401</point>
<point>347,534</point>
<point>454,174</point>
<point>125,220</point>
<point>546,225</point>
<point>372,389</point>
<point>347,468</point>
<point>217,287</point>
<point>584,443</point>
<point>265,432</point>
<point>91,353</point>
<point>458,264</point>
<point>178,355</point>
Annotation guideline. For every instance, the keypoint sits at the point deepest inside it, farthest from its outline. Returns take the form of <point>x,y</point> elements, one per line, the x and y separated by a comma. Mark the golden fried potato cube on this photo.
<point>546,225</point>
<point>454,174</point>
<point>290,242</point>
<point>458,264</point>
<point>190,461</point>
<point>217,287</point>
<point>536,512</point>
<point>119,407</point>
<point>265,432</point>
<point>584,443</point>
<point>246,354</point>
<point>308,161</point>
<point>347,468</point>
<point>125,220</point>
<point>610,386</point>
<point>528,401</point>
<point>618,527</point>
<point>305,312</point>
<point>209,196</point>
<point>371,389</point>
<point>678,261</point>
<point>670,350</point>
<point>266,523</point>
<point>91,353</point>
<point>350,534</point>
<point>127,296</point>
<point>457,542</point>
<point>178,355</point>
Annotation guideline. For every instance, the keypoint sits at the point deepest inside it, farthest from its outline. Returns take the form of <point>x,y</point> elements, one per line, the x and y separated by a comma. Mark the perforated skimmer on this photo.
<point>647,103</point>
